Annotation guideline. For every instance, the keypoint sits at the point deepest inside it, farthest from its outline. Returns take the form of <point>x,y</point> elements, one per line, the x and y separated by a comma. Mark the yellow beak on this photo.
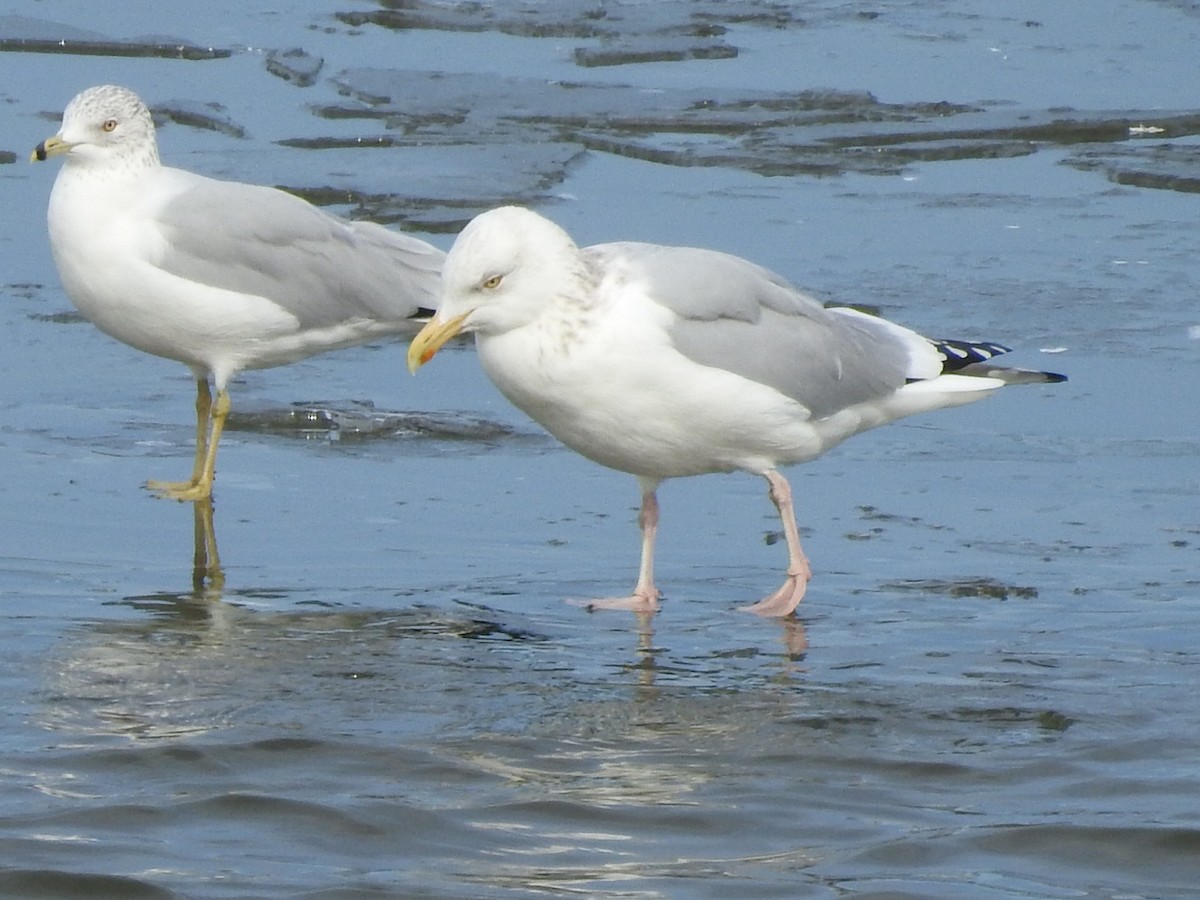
<point>51,146</point>
<point>429,340</point>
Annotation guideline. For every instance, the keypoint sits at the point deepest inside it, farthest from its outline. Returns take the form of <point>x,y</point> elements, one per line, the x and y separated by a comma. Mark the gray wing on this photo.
<point>322,269</point>
<point>732,314</point>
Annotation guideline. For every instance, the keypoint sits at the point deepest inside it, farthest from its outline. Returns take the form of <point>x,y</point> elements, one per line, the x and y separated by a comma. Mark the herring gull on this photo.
<point>218,275</point>
<point>671,361</point>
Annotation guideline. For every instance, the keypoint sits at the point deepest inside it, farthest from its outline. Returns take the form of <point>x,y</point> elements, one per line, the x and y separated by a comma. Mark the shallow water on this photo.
<point>380,691</point>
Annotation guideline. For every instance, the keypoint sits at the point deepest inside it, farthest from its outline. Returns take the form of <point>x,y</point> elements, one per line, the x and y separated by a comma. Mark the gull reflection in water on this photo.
<point>652,660</point>
<point>208,578</point>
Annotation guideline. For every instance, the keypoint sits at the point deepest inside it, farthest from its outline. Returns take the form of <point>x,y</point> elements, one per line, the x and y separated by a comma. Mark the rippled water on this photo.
<point>359,677</point>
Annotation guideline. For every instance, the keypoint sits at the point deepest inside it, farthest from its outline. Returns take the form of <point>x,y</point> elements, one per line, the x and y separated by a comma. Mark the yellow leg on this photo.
<point>210,422</point>
<point>203,409</point>
<point>220,413</point>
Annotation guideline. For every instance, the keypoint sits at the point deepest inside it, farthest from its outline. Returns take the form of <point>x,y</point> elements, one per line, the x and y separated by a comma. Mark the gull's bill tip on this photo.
<point>52,146</point>
<point>430,339</point>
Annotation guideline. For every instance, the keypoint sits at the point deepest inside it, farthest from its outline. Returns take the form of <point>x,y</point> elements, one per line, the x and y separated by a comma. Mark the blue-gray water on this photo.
<point>388,697</point>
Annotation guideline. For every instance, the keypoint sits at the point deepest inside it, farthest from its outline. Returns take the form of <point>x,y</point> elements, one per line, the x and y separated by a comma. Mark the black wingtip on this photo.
<point>958,355</point>
<point>971,358</point>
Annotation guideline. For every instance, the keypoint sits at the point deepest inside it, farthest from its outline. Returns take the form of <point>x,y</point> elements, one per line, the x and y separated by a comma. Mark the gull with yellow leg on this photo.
<point>218,275</point>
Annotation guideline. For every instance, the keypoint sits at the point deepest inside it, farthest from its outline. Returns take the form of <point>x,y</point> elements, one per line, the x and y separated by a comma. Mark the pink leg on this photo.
<point>785,600</point>
<point>644,598</point>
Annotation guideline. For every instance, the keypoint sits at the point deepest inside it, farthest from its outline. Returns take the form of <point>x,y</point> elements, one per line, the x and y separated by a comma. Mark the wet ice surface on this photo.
<point>383,694</point>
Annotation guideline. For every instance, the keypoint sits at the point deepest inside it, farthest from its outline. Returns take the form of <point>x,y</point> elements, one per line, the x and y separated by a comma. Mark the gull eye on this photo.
<point>109,125</point>
<point>492,283</point>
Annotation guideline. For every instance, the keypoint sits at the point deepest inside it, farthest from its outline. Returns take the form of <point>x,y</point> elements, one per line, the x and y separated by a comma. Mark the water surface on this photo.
<point>990,689</point>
